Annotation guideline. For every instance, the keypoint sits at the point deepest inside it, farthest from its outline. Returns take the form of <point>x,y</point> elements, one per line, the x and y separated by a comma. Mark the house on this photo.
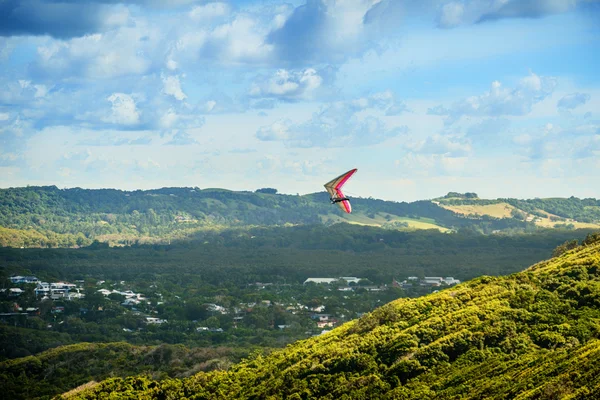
<point>14,292</point>
<point>451,281</point>
<point>24,279</point>
<point>76,295</point>
<point>56,290</point>
<point>216,308</point>
<point>130,302</point>
<point>154,320</point>
<point>320,280</point>
<point>321,317</point>
<point>323,324</point>
<point>32,310</point>
<point>432,281</point>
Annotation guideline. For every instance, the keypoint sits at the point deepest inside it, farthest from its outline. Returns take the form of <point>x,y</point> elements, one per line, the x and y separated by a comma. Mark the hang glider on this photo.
<point>334,188</point>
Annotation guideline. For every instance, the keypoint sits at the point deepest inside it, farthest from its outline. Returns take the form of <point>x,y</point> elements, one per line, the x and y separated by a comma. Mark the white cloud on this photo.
<point>124,111</point>
<point>500,101</point>
<point>451,14</point>
<point>339,124</point>
<point>427,165</point>
<point>209,11</point>
<point>4,116</point>
<point>573,100</point>
<point>444,145</point>
<point>288,85</point>
<point>168,119</point>
<point>239,41</point>
<point>129,50</point>
<point>172,87</point>
<point>322,31</point>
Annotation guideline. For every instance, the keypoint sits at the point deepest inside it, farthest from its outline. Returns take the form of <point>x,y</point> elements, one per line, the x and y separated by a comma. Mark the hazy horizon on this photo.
<point>501,98</point>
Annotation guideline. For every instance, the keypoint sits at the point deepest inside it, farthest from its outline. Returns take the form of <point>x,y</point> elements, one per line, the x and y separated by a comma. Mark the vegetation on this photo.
<point>52,217</point>
<point>59,370</point>
<point>180,280</point>
<point>556,209</point>
<point>534,334</point>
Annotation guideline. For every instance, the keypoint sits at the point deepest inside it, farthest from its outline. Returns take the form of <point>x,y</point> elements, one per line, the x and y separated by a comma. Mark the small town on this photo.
<point>326,303</point>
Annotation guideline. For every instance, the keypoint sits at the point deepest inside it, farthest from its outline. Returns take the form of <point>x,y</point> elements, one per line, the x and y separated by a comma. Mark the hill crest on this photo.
<point>53,217</point>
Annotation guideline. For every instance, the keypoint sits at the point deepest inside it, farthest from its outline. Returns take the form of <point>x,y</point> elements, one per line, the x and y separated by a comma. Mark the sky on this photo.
<point>497,97</point>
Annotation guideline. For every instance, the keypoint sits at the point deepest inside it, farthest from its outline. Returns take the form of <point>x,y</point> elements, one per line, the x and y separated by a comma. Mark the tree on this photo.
<point>267,190</point>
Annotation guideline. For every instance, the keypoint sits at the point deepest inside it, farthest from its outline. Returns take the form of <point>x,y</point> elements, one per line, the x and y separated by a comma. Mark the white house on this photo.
<point>24,279</point>
<point>320,280</point>
<point>15,291</point>
<point>432,280</point>
<point>154,320</point>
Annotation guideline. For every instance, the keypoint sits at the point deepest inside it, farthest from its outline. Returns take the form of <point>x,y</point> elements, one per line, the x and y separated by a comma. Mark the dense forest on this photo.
<point>533,334</point>
<point>53,217</point>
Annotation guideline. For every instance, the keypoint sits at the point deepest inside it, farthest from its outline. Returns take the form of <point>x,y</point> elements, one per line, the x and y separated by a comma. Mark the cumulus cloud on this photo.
<point>235,41</point>
<point>172,87</point>
<point>427,165</point>
<point>500,101</point>
<point>181,138</point>
<point>321,31</point>
<point>124,110</point>
<point>210,11</point>
<point>129,50</point>
<point>573,100</point>
<point>22,92</point>
<point>552,141</point>
<point>288,85</point>
<point>336,125</point>
<point>444,145</point>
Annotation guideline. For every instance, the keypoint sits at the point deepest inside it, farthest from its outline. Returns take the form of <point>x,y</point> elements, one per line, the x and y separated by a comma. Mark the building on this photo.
<point>58,290</point>
<point>14,292</point>
<point>24,279</point>
<point>438,281</point>
<point>154,320</point>
<point>347,279</point>
<point>320,280</point>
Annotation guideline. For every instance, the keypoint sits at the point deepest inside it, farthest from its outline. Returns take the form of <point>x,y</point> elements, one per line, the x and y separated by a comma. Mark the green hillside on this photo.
<point>533,334</point>
<point>60,369</point>
<point>548,213</point>
<point>52,217</point>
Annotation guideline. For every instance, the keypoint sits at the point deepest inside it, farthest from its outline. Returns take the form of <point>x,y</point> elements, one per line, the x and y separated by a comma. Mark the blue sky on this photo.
<point>498,97</point>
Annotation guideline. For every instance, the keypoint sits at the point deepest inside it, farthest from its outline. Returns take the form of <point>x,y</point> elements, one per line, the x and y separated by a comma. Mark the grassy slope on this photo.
<point>498,210</point>
<point>534,334</point>
<point>502,210</point>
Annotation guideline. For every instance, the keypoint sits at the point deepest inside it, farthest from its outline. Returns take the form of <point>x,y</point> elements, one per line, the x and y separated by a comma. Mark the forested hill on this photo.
<point>534,334</point>
<point>53,217</point>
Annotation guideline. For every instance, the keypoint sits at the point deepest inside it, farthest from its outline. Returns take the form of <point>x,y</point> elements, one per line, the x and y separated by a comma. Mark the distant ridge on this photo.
<point>51,217</point>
